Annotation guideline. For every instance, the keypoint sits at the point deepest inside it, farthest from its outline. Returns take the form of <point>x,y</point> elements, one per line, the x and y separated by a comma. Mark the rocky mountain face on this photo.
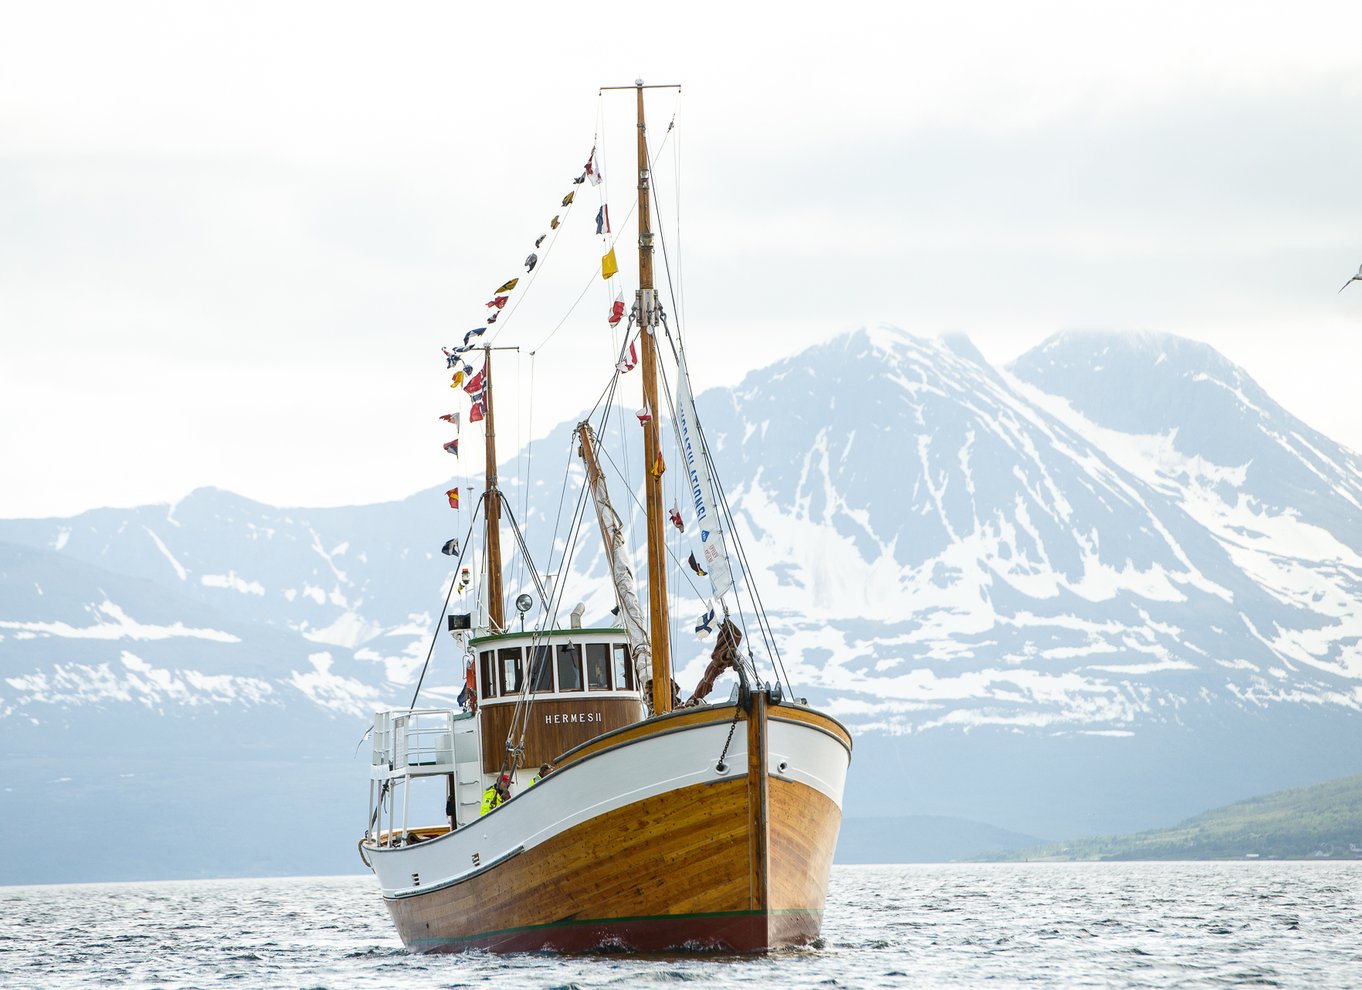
<point>1098,590</point>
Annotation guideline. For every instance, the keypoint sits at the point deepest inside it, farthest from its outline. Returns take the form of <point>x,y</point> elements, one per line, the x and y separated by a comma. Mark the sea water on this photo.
<point>1259,924</point>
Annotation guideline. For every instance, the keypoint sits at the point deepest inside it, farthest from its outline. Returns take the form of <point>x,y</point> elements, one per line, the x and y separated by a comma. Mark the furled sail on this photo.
<point>612,533</point>
<point>701,487</point>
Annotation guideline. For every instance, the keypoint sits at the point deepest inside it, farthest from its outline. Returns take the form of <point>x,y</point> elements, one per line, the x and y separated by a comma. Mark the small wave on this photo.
<point>375,952</point>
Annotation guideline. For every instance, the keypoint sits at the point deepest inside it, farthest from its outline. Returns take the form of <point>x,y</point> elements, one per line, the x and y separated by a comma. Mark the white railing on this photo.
<point>420,743</point>
<point>408,743</point>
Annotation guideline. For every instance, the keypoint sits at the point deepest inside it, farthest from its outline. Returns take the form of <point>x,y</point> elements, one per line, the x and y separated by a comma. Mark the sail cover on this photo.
<point>631,612</point>
<point>701,487</point>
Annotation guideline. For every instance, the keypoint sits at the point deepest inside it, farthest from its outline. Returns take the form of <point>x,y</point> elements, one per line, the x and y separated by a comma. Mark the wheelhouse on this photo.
<point>578,683</point>
<point>552,690</point>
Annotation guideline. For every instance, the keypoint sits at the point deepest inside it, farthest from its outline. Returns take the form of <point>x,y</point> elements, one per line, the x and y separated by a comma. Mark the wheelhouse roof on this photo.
<point>607,634</point>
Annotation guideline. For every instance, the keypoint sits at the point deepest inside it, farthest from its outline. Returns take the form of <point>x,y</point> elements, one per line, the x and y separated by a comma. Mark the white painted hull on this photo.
<point>613,778</point>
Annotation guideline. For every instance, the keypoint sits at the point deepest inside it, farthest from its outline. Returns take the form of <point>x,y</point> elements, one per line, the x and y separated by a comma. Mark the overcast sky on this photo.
<point>234,236</point>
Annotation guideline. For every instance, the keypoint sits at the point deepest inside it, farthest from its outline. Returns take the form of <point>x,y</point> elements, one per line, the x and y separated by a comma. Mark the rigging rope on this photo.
<point>763,621</point>
<point>525,553</point>
<point>605,456</point>
<point>527,463</point>
<point>704,453</point>
<point>524,704</point>
<point>463,549</point>
<point>533,276</point>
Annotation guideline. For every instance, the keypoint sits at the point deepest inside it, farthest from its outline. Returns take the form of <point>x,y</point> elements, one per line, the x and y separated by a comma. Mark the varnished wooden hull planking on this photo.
<point>803,827</point>
<point>738,864</point>
<point>671,873</point>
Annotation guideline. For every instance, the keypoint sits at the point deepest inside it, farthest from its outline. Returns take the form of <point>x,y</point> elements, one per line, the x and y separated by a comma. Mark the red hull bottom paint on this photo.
<point>740,932</point>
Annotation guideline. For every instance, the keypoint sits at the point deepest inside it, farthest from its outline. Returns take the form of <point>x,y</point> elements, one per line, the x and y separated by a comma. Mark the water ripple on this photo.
<point>1133,925</point>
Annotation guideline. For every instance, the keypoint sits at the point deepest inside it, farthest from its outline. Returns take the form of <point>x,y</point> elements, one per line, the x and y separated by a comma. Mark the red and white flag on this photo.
<point>645,415</point>
<point>451,418</point>
<point>674,514</point>
<point>593,170</point>
<point>629,360</point>
<point>617,309</point>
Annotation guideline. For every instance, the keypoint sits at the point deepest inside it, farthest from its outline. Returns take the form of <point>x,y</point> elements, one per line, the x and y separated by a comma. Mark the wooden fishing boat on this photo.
<point>660,825</point>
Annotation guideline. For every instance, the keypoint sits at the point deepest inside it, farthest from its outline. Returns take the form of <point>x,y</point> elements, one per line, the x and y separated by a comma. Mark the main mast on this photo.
<point>657,547</point>
<point>495,618</point>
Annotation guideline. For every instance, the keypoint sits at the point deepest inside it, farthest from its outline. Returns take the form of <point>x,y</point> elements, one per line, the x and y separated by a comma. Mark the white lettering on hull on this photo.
<point>560,719</point>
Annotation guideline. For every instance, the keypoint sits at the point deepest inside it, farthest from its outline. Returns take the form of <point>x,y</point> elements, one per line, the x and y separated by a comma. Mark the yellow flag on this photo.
<point>608,264</point>
<point>567,200</point>
<point>509,285</point>
<point>458,379</point>
<point>659,465</point>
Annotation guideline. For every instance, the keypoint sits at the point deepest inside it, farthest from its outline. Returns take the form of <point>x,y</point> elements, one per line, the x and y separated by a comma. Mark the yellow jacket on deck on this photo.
<point>490,799</point>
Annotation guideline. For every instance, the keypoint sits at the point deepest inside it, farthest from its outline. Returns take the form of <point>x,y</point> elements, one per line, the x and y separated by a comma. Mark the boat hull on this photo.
<point>701,859</point>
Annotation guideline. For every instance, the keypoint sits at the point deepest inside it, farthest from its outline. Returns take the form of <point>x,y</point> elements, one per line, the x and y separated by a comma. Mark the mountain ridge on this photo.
<point>1011,603</point>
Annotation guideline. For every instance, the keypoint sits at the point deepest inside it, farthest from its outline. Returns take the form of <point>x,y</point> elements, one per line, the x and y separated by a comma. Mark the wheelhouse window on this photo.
<point>597,667</point>
<point>489,674</point>
<point>511,673</point>
<point>569,668</point>
<point>542,671</point>
<point>624,670</point>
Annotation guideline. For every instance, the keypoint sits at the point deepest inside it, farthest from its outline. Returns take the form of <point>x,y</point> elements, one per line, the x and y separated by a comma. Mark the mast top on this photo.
<point>638,84</point>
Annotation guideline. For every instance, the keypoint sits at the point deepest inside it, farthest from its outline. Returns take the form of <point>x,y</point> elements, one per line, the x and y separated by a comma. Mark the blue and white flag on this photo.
<point>706,624</point>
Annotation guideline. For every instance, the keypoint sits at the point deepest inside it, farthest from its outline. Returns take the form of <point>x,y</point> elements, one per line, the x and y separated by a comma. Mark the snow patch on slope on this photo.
<point>332,691</point>
<point>230,580</point>
<point>120,626</point>
<point>139,682</point>
<point>180,570</point>
<point>349,630</point>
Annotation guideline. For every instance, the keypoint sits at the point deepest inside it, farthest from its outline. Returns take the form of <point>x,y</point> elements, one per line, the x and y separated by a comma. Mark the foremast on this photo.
<point>646,302</point>
<point>495,599</point>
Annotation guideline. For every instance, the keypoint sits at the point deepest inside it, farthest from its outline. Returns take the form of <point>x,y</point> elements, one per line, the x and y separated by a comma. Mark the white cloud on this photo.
<point>219,222</point>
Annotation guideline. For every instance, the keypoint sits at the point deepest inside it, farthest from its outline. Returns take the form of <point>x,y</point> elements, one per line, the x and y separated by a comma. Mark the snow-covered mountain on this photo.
<point>958,545</point>
<point>1099,589</point>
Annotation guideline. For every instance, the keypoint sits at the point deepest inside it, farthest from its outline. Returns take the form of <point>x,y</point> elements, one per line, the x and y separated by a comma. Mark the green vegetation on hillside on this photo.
<point>1320,822</point>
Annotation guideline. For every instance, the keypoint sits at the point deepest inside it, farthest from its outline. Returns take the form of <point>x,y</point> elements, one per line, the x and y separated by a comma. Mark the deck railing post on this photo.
<point>406,801</point>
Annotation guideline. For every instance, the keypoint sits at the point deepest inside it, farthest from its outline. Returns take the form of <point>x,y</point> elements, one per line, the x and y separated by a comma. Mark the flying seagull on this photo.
<point>1355,278</point>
